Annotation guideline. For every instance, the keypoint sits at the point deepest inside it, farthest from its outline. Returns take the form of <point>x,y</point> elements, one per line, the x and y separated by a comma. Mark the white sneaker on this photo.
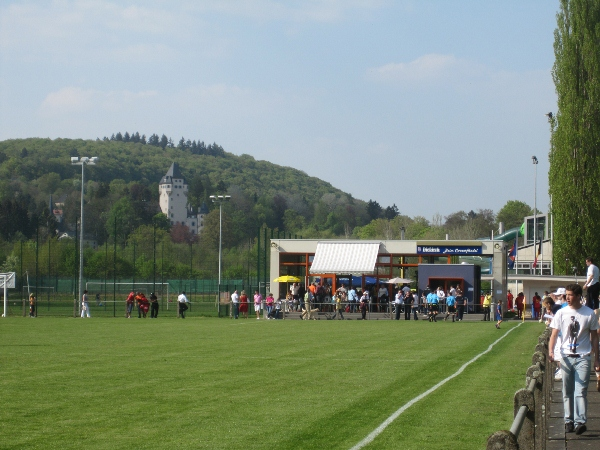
<point>558,375</point>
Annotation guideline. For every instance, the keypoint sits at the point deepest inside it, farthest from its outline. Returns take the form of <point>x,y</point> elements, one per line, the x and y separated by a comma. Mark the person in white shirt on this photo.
<point>578,325</point>
<point>182,301</point>
<point>441,295</point>
<point>85,306</point>
<point>235,304</point>
<point>398,302</point>
<point>592,284</point>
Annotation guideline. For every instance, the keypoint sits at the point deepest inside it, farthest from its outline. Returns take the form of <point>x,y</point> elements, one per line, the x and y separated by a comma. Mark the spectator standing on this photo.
<point>408,300</point>
<point>415,306</point>
<point>182,301</point>
<point>338,306</point>
<point>398,300</point>
<point>244,304</point>
<point>460,306</point>
<point>153,306</point>
<point>592,284</point>
<point>98,302</point>
<point>32,302</point>
<point>143,304</point>
<point>579,325</point>
<point>487,301</point>
<point>295,291</point>
<point>129,304</point>
<point>235,304</point>
<point>85,306</point>
<point>258,303</point>
<point>536,303</point>
<point>441,296</point>
<point>509,301</point>
<point>364,301</point>
<point>382,296</point>
<point>352,299</point>
<point>520,304</point>
<point>269,301</point>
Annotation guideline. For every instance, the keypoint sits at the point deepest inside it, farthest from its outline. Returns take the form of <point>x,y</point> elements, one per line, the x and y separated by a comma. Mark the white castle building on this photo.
<point>173,192</point>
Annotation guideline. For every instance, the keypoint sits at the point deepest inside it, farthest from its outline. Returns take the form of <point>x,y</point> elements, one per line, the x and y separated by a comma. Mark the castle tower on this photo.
<point>173,200</point>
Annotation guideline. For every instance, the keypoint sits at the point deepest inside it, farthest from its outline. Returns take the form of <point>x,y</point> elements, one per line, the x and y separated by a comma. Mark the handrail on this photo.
<point>528,430</point>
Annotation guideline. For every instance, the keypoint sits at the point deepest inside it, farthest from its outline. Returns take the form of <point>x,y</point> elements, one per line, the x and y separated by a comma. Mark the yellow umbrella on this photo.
<point>287,279</point>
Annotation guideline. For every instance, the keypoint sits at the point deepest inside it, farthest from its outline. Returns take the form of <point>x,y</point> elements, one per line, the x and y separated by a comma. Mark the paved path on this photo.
<point>557,438</point>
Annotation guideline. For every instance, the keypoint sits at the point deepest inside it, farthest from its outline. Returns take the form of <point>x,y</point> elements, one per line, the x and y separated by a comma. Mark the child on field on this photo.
<point>498,314</point>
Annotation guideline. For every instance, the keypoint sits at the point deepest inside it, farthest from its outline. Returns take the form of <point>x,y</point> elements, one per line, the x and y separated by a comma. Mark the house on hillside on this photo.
<point>173,192</point>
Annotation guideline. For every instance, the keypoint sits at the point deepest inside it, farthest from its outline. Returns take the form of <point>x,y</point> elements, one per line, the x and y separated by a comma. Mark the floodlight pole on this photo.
<point>220,199</point>
<point>5,314</point>
<point>76,161</point>
<point>535,164</point>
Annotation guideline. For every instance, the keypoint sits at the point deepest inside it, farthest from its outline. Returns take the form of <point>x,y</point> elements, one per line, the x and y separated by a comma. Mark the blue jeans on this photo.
<point>575,379</point>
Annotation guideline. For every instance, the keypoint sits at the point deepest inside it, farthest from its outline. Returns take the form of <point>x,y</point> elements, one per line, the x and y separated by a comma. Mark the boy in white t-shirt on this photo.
<point>578,325</point>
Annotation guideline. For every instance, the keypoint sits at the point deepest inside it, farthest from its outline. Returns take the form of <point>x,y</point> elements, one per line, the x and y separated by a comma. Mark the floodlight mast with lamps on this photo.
<point>220,199</point>
<point>535,163</point>
<point>75,161</point>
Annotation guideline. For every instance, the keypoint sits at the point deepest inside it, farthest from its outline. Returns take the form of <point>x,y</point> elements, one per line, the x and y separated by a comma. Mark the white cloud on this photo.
<point>75,100</point>
<point>428,68</point>
<point>290,11</point>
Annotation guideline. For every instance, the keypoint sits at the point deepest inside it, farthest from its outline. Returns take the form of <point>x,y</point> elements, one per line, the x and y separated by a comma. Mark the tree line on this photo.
<point>196,148</point>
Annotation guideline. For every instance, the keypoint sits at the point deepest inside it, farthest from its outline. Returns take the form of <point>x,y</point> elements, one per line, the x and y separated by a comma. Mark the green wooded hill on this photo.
<point>126,179</point>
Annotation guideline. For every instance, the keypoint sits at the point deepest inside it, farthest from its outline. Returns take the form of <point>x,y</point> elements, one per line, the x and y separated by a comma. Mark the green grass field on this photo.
<point>224,384</point>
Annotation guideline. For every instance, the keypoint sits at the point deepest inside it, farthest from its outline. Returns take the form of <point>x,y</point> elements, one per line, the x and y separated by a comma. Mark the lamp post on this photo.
<point>220,199</point>
<point>76,161</point>
<point>535,163</point>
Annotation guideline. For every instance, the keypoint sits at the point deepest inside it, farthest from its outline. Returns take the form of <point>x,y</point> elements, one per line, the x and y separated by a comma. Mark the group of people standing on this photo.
<point>240,304</point>
<point>143,304</point>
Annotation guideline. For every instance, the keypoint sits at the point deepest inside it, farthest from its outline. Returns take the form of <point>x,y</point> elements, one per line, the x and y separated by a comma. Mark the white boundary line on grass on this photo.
<point>377,431</point>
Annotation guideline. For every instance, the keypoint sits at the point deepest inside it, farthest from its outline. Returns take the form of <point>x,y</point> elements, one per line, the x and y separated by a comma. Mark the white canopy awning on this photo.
<point>347,258</point>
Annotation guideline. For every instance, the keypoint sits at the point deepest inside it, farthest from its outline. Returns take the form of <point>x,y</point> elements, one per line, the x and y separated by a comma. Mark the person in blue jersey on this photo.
<point>433,304</point>
<point>498,314</point>
<point>451,303</point>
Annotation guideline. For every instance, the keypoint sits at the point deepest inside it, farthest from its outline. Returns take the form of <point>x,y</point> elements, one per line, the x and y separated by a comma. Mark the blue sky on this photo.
<point>436,106</point>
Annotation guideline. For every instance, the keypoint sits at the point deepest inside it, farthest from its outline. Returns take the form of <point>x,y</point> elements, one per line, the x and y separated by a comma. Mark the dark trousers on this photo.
<point>363,312</point>
<point>460,311</point>
<point>154,310</point>
<point>182,309</point>
<point>397,312</point>
<point>407,309</point>
<point>592,295</point>
<point>486,313</point>
<point>336,313</point>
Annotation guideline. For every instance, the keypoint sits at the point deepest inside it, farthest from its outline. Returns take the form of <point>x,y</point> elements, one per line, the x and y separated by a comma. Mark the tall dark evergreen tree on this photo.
<point>574,178</point>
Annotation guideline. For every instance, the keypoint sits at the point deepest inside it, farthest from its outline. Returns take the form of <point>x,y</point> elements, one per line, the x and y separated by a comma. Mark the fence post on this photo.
<point>502,440</point>
<point>526,436</point>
